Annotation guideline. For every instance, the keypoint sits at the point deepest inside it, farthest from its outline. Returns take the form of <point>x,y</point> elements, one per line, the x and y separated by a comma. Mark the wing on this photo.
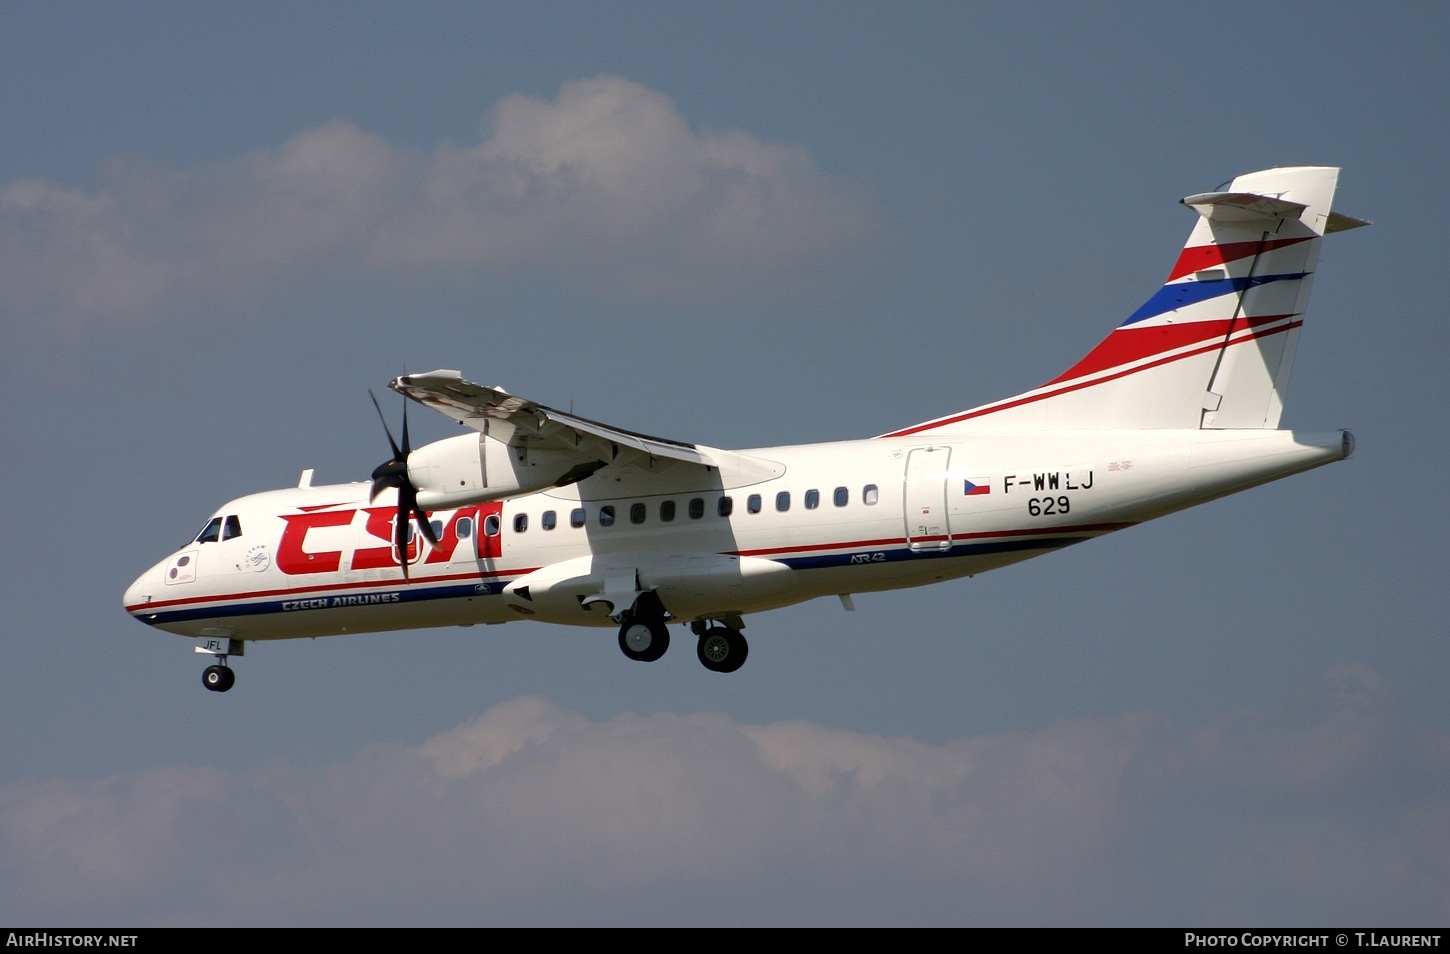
<point>504,417</point>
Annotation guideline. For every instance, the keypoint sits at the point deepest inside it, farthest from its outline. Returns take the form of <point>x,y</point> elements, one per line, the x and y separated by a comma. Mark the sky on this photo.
<point>738,224</point>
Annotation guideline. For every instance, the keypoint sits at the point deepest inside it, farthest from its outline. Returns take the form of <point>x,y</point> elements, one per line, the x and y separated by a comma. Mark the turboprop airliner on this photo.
<point>537,514</point>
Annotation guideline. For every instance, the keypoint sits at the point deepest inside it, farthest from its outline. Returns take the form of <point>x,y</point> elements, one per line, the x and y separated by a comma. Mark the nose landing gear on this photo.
<point>220,677</point>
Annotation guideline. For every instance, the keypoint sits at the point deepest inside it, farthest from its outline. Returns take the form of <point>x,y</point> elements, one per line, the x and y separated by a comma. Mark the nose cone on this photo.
<point>133,593</point>
<point>142,592</point>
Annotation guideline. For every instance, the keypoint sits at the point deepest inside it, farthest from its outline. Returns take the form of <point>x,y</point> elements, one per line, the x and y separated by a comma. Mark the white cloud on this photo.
<point>531,813</point>
<point>73,843</point>
<point>607,186</point>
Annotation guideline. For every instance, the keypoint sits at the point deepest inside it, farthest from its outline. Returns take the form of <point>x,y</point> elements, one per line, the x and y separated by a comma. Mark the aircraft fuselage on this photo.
<point>841,518</point>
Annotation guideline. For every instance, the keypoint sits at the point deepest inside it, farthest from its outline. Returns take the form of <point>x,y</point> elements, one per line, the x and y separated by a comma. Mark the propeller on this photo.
<point>394,473</point>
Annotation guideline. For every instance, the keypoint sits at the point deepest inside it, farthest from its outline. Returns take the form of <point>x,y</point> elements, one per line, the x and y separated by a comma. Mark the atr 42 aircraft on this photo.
<point>542,515</point>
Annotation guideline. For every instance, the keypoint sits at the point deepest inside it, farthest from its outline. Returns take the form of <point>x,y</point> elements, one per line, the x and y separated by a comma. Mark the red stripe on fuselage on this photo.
<point>326,587</point>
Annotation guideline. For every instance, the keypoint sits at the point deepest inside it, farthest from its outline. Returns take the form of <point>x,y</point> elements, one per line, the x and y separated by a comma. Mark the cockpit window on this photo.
<point>232,528</point>
<point>212,532</point>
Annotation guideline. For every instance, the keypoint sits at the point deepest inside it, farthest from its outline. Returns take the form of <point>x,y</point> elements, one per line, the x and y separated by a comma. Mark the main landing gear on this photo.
<point>643,637</point>
<point>721,648</point>
<point>642,633</point>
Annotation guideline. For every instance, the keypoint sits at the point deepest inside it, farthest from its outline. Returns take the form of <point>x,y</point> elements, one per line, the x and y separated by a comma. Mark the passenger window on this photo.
<point>782,501</point>
<point>576,517</point>
<point>697,508</point>
<point>869,495</point>
<point>606,515</point>
<point>521,523</point>
<point>465,527</point>
<point>437,527</point>
<point>842,497</point>
<point>548,520</point>
<point>490,525</point>
<point>667,510</point>
<point>211,532</point>
<point>727,506</point>
<point>233,528</point>
<point>813,499</point>
<point>636,513</point>
<point>752,503</point>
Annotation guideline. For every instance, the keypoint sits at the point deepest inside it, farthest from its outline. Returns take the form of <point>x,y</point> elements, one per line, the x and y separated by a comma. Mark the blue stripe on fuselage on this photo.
<point>386,597</point>
<point>396,596</point>
<point>897,554</point>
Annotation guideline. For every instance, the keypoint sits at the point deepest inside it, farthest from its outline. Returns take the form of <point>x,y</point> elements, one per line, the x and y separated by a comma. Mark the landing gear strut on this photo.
<point>721,648</point>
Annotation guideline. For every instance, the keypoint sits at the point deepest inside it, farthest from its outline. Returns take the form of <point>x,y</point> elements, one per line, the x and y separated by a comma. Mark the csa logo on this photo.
<point>257,559</point>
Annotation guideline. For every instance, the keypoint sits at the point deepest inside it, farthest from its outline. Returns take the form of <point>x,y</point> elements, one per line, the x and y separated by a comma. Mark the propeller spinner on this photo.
<point>394,473</point>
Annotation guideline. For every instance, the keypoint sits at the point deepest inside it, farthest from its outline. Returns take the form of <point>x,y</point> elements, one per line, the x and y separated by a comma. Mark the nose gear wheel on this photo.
<point>218,678</point>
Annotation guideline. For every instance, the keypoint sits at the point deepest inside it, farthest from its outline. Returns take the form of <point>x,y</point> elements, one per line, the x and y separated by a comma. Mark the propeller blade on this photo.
<point>407,501</point>
<point>407,447</point>
<point>425,525</point>
<point>388,474</point>
<point>394,473</point>
<point>387,430</point>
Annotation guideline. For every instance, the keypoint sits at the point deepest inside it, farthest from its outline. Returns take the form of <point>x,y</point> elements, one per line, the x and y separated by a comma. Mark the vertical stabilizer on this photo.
<point>1214,346</point>
<point>1266,259</point>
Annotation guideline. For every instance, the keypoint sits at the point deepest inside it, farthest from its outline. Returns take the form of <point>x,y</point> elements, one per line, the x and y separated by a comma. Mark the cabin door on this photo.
<point>925,499</point>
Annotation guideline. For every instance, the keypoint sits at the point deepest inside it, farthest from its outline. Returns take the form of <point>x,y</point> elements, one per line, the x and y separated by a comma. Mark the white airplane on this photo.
<point>542,515</point>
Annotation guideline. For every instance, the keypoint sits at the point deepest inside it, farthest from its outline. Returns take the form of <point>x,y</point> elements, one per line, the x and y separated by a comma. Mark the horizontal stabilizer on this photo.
<point>1343,223</point>
<point>1242,207</point>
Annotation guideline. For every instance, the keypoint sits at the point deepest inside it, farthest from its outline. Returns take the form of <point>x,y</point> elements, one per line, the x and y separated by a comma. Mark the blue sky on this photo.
<point>220,225</point>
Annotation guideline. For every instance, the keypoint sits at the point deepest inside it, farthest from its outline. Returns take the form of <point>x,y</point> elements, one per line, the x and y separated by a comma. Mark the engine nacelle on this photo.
<point>471,468</point>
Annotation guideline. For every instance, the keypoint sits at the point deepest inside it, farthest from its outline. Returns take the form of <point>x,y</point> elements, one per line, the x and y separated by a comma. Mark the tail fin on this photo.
<point>1213,348</point>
